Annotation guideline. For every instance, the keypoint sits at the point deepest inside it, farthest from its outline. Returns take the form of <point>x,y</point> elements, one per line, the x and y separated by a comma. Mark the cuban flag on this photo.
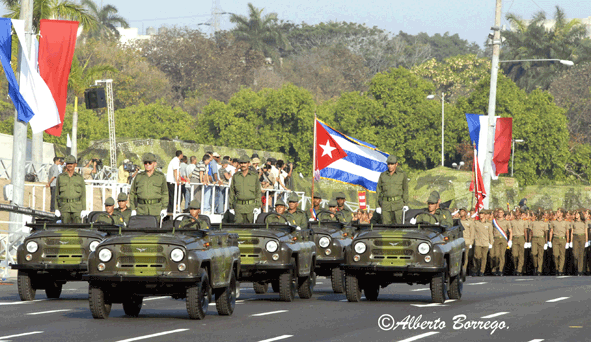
<point>478,127</point>
<point>37,99</point>
<point>347,160</point>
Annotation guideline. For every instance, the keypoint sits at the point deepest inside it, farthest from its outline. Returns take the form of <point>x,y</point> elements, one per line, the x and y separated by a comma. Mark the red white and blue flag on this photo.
<point>499,229</point>
<point>478,127</point>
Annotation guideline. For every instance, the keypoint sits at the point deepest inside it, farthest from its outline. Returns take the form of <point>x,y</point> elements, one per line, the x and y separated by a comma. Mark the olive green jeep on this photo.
<point>279,254</point>
<point>55,253</point>
<point>420,253</point>
<point>176,259</point>
<point>331,238</point>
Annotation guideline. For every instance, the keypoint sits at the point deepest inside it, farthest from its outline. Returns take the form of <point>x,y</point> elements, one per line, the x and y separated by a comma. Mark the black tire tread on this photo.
<point>99,307</point>
<point>194,308</point>
<point>455,288</point>
<point>286,287</point>
<point>352,289</point>
<point>224,302</point>
<point>26,291</point>
<point>438,289</point>
<point>337,279</point>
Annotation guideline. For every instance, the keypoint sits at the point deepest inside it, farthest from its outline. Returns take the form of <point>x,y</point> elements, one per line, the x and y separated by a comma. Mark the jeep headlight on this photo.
<point>272,246</point>
<point>32,246</point>
<point>177,255</point>
<point>360,248</point>
<point>324,242</point>
<point>424,248</point>
<point>105,255</point>
<point>93,245</point>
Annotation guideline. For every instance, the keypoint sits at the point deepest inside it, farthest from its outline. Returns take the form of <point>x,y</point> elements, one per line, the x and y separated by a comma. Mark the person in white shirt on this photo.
<point>231,167</point>
<point>275,172</point>
<point>173,177</point>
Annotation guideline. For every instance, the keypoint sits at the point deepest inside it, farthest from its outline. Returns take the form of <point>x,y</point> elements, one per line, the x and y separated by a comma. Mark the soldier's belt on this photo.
<point>394,198</point>
<point>579,234</point>
<point>500,237</point>
<point>69,200</point>
<point>519,237</point>
<point>246,202</point>
<point>150,201</point>
<point>556,237</point>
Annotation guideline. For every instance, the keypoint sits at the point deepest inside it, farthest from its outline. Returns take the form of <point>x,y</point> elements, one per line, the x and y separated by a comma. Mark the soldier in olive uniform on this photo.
<point>123,209</point>
<point>70,193</point>
<point>195,211</point>
<point>392,191</point>
<point>468,225</point>
<point>433,214</point>
<point>500,242</point>
<point>300,217</point>
<point>113,214</point>
<point>518,228</point>
<point>579,238</point>
<point>483,240</point>
<point>558,238</point>
<point>539,231</point>
<point>340,197</point>
<point>336,216</point>
<point>316,199</point>
<point>149,191</point>
<point>245,193</point>
<point>276,216</point>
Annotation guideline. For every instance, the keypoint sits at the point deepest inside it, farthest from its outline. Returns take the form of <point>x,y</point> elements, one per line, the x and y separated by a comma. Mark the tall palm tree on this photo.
<point>52,9</point>
<point>260,32</point>
<point>566,39</point>
<point>107,20</point>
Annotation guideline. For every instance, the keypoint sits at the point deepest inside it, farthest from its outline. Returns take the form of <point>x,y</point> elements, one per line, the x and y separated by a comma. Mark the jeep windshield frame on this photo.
<point>433,227</point>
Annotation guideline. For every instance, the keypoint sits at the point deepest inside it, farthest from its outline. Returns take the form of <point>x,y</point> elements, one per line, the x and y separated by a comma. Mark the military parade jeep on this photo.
<point>331,238</point>
<point>276,253</point>
<point>420,253</point>
<point>178,259</point>
<point>54,254</point>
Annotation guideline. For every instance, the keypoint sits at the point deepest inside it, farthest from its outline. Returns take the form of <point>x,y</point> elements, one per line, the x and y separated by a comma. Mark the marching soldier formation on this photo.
<point>541,242</point>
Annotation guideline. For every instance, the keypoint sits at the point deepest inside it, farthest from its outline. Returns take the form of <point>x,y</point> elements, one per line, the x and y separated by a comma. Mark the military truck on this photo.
<point>331,238</point>
<point>279,254</point>
<point>55,253</point>
<point>419,253</point>
<point>176,259</point>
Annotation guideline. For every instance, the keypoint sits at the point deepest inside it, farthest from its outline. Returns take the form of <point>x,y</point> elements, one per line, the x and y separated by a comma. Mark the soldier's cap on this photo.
<point>318,194</point>
<point>433,197</point>
<point>122,197</point>
<point>391,159</point>
<point>195,204</point>
<point>70,159</point>
<point>110,201</point>
<point>293,198</point>
<point>256,160</point>
<point>332,203</point>
<point>149,157</point>
<point>243,159</point>
<point>339,194</point>
<point>280,202</point>
<point>215,154</point>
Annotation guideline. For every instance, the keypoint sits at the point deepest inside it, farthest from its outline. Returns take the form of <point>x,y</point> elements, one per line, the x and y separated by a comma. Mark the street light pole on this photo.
<point>442,125</point>
<point>513,152</point>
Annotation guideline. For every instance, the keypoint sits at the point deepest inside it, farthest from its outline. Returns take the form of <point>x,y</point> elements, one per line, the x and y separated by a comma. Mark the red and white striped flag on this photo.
<point>477,186</point>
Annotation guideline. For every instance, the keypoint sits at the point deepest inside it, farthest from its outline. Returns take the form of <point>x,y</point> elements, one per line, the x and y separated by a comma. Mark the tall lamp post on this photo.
<point>431,97</point>
<point>513,151</point>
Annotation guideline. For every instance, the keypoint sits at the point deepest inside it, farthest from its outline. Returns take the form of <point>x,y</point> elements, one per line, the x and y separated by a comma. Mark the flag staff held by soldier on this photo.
<point>149,192</point>
<point>70,193</point>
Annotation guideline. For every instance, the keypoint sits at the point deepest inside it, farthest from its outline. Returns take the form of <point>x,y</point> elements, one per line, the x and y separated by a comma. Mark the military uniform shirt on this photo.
<point>579,227</point>
<point>483,234</point>
<point>146,187</point>
<point>347,212</point>
<point>70,192</point>
<point>504,225</point>
<point>539,228</point>
<point>126,214</point>
<point>274,217</point>
<point>245,188</point>
<point>519,227</point>
<point>559,228</point>
<point>395,185</point>
<point>301,218</point>
<point>468,231</point>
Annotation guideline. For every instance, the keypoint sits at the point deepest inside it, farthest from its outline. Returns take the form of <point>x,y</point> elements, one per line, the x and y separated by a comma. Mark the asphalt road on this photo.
<point>521,309</point>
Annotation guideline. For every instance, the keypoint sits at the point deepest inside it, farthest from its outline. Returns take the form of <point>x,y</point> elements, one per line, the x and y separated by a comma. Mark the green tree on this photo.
<point>566,39</point>
<point>107,20</point>
<point>53,9</point>
<point>260,32</point>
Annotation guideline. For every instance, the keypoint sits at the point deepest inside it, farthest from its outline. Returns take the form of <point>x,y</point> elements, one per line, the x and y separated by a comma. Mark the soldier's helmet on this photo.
<point>70,159</point>
<point>339,194</point>
<point>195,204</point>
<point>293,198</point>
<point>243,159</point>
<point>280,202</point>
<point>332,203</point>
<point>318,194</point>
<point>122,197</point>
<point>149,157</point>
<point>433,197</point>
<point>109,201</point>
<point>391,159</point>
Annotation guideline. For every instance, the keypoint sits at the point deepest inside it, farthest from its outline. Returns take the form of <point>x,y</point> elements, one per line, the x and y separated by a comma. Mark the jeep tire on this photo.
<point>260,287</point>
<point>352,288</point>
<point>100,307</point>
<point>25,286</point>
<point>198,297</point>
<point>133,306</point>
<point>287,288</point>
<point>456,287</point>
<point>337,279</point>
<point>53,290</point>
<point>438,288</point>
<point>372,291</point>
<point>306,285</point>
<point>225,298</point>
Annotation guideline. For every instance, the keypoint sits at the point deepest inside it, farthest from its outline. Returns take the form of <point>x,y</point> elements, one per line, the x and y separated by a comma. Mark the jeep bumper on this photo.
<point>140,279</point>
<point>49,267</point>
<point>392,269</point>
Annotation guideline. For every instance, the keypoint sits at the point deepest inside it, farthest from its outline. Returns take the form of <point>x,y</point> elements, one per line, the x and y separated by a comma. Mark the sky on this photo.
<point>470,19</point>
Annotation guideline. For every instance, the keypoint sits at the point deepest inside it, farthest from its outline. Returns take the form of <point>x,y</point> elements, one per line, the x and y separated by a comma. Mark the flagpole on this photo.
<point>313,163</point>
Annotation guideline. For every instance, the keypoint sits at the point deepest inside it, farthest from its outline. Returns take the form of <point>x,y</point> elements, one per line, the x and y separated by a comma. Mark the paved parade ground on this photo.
<point>505,308</point>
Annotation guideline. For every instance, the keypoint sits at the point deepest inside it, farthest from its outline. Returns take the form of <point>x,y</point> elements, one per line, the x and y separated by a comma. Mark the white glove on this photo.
<point>232,211</point>
<point>379,210</point>
<point>470,247</point>
<point>549,244</point>
<point>58,213</point>
<point>84,213</point>
<point>567,246</point>
<point>413,220</point>
<point>405,208</point>
<point>571,244</point>
<point>545,246</point>
<point>527,245</point>
<point>298,228</point>
<point>163,213</point>
<point>489,246</point>
<point>586,244</point>
<point>510,244</point>
<point>133,213</point>
<point>256,211</point>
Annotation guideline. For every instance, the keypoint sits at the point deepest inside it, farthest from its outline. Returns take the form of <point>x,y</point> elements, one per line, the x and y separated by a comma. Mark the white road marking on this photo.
<point>46,312</point>
<point>153,335</point>
<point>318,282</point>
<point>22,302</point>
<point>19,335</point>
<point>481,283</point>
<point>155,298</point>
<point>556,299</point>
<point>537,340</point>
<point>282,337</point>
<point>268,313</point>
<point>433,304</point>
<point>343,300</point>
<point>522,279</point>
<point>563,277</point>
<point>495,315</point>
<point>414,338</point>
<point>425,289</point>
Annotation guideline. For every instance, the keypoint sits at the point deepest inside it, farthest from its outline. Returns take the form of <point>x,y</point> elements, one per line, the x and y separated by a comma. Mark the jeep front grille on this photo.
<point>141,256</point>
<point>393,248</point>
<point>251,249</point>
<point>142,249</point>
<point>392,242</point>
<point>127,260</point>
<point>71,252</point>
